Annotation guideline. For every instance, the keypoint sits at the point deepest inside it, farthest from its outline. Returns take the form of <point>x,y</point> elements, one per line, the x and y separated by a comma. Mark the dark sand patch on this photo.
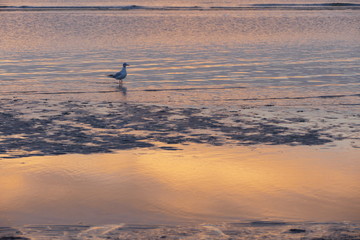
<point>37,128</point>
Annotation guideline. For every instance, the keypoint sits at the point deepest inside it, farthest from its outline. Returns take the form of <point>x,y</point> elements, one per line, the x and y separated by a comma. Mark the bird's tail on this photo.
<point>111,75</point>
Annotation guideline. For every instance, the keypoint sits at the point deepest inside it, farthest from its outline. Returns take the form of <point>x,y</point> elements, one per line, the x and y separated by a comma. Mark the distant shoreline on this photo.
<point>249,7</point>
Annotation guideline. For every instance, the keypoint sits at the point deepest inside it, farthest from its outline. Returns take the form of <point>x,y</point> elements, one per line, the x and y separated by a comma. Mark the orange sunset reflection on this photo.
<point>188,185</point>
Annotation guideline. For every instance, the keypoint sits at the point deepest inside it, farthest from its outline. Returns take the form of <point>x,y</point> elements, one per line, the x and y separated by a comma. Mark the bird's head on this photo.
<point>125,65</point>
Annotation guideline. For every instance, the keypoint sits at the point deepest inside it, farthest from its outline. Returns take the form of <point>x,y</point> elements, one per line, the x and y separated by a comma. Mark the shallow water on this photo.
<point>198,184</point>
<point>293,70</point>
<point>287,54</point>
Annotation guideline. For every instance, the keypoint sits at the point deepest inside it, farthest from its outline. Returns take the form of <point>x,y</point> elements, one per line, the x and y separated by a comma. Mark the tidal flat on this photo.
<point>110,162</point>
<point>43,127</point>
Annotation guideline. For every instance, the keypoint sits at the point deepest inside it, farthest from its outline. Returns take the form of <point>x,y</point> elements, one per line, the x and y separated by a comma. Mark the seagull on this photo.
<point>120,75</point>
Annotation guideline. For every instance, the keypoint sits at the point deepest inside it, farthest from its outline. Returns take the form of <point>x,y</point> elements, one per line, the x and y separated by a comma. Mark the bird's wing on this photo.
<point>120,75</point>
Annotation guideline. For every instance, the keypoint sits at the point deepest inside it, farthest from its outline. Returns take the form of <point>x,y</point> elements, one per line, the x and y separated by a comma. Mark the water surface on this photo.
<point>293,53</point>
<point>197,184</point>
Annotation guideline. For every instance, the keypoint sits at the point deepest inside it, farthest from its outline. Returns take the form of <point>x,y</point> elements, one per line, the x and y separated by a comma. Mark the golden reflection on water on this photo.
<point>199,183</point>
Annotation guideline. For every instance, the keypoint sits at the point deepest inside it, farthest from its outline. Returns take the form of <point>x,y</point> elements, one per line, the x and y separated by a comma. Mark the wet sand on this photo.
<point>249,230</point>
<point>44,127</point>
<point>48,127</point>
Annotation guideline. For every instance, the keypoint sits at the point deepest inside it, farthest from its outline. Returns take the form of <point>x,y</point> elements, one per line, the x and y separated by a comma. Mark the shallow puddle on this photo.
<point>199,183</point>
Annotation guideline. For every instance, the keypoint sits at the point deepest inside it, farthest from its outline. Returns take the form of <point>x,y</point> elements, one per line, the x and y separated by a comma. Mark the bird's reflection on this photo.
<point>122,89</point>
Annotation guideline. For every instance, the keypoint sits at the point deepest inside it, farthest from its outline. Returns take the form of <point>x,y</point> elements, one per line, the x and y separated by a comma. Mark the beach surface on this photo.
<point>251,230</point>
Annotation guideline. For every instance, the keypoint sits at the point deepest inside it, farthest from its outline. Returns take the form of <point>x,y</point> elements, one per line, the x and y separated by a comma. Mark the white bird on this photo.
<point>120,75</point>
